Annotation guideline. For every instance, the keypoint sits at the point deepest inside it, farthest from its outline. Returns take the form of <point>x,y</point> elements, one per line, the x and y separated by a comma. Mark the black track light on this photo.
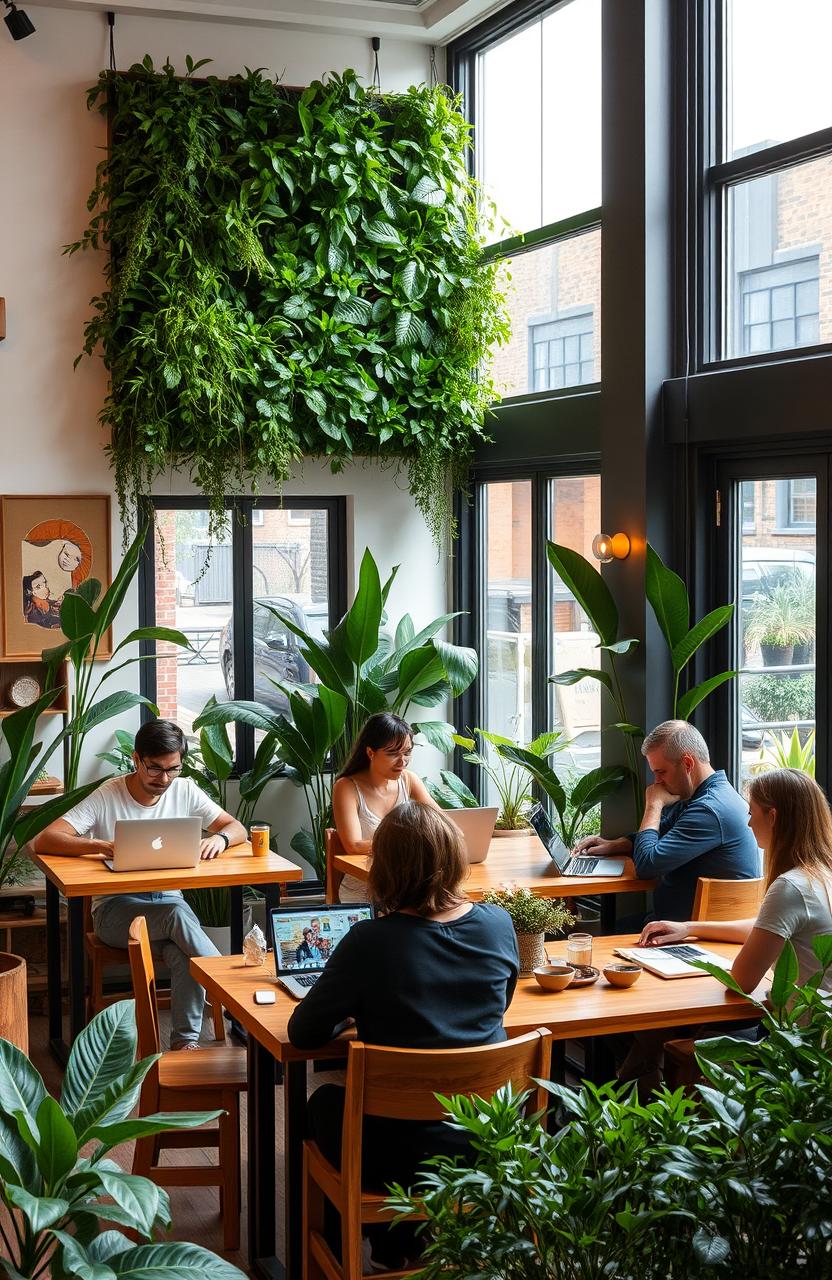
<point>19,23</point>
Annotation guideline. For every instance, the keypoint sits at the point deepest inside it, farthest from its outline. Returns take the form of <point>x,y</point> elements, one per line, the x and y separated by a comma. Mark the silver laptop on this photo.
<point>305,938</point>
<point>672,961</point>
<point>148,844</point>
<point>477,827</point>
<point>566,864</point>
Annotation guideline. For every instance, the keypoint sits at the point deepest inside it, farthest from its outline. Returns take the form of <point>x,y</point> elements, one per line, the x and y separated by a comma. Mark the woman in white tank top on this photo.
<point>373,782</point>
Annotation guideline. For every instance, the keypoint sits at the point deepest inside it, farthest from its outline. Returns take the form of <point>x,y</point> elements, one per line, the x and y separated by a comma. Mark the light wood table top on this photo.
<point>523,862</point>
<point>86,876</point>
<point>570,1014</point>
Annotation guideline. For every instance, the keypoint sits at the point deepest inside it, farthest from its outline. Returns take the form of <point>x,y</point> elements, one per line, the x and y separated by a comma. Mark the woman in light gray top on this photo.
<point>790,818</point>
<point>373,782</point>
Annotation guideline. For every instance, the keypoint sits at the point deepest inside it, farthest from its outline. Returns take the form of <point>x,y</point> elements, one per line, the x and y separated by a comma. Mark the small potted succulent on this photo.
<point>532,918</point>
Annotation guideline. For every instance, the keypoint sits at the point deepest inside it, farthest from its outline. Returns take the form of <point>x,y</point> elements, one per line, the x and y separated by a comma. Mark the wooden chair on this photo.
<point>208,1080</point>
<point>333,846</point>
<point>400,1084</point>
<point>727,899</point>
<point>715,900</point>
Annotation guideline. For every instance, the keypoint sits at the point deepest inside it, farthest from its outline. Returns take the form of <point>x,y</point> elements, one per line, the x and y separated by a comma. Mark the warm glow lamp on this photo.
<point>606,548</point>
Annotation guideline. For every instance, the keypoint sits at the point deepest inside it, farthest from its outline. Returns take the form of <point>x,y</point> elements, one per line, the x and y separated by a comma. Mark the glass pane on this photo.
<point>508,611</point>
<point>779,263</point>
<point>539,119</point>
<point>194,593</point>
<point>554,300</point>
<point>776,690</point>
<point>777,71</point>
<point>290,573</point>
<point>576,709</point>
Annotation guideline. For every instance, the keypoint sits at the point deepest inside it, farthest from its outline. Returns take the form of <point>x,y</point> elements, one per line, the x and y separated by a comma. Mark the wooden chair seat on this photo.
<point>681,1070</point>
<point>219,1067</point>
<point>400,1084</point>
<point>210,1079</point>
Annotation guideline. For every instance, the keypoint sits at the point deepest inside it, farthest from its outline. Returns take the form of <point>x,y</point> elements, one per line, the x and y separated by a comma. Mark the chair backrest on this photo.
<point>144,988</point>
<point>400,1084</point>
<point>727,899</point>
<point>332,846</point>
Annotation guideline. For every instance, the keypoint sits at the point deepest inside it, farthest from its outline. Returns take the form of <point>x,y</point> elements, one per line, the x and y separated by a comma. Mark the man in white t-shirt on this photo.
<point>154,790</point>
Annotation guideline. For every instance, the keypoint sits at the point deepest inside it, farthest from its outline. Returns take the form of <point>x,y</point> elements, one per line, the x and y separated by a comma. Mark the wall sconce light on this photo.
<point>19,23</point>
<point>606,548</point>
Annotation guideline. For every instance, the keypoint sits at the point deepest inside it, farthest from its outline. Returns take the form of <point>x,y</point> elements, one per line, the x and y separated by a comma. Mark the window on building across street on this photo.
<point>226,598</point>
<point>539,163</point>
<point>749,507</point>
<point>796,504</point>
<point>768,191</point>
<point>561,352</point>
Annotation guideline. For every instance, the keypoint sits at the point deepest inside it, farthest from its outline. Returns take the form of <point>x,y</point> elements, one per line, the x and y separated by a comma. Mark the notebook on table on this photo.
<point>305,939</point>
<point>566,864</point>
<point>147,844</point>
<point>477,827</point>
<point>671,961</point>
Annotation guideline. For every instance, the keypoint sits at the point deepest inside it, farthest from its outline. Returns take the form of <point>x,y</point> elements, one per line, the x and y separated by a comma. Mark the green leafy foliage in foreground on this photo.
<point>733,1182</point>
<point>290,274</point>
<point>64,1209</point>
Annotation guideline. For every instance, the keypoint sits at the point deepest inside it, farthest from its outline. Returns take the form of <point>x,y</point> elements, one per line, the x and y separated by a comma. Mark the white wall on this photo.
<point>50,440</point>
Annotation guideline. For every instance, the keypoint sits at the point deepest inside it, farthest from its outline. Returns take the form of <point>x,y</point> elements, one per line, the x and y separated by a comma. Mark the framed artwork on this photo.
<point>50,545</point>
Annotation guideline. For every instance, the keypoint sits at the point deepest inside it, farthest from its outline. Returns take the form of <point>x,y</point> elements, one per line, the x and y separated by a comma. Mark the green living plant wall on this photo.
<point>289,274</point>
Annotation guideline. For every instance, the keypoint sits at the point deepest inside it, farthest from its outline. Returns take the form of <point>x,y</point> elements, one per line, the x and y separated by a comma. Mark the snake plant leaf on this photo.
<point>668,598</point>
<point>589,589</point>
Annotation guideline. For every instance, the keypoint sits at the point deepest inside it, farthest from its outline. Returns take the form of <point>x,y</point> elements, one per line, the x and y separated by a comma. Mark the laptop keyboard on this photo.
<point>306,979</point>
<point>582,866</point>
<point>683,952</point>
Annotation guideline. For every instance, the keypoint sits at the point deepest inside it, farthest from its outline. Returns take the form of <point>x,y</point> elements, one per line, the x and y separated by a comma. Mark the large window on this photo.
<point>768,194</point>
<point>223,597</point>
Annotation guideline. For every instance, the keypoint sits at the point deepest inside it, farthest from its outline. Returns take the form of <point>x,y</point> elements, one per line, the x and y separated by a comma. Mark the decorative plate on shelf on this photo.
<point>23,691</point>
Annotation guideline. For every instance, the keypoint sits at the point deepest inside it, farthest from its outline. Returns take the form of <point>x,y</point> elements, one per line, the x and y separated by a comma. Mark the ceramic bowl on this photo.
<point>554,977</point>
<point>622,975</point>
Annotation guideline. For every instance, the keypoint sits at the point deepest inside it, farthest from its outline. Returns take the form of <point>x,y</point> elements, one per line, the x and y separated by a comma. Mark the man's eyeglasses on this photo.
<point>156,770</point>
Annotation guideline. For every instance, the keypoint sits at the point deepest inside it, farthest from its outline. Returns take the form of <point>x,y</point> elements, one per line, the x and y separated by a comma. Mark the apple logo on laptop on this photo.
<point>157,843</point>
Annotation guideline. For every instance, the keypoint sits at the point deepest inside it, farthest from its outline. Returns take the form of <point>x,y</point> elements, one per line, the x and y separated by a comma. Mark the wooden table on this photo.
<point>78,878</point>
<point>586,1012</point>
<point>523,862</point>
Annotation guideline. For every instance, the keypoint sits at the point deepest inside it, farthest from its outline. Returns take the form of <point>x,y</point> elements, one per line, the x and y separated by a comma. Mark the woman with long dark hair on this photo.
<point>371,784</point>
<point>789,815</point>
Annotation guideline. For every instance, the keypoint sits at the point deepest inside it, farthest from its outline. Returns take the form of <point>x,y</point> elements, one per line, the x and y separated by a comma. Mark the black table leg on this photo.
<point>294,1126</point>
<point>54,977</point>
<point>235,917</point>
<point>77,975</point>
<point>272,895</point>
<point>262,1202</point>
<point>607,913</point>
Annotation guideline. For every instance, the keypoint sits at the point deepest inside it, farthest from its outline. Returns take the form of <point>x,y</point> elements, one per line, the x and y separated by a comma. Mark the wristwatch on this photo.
<point>224,837</point>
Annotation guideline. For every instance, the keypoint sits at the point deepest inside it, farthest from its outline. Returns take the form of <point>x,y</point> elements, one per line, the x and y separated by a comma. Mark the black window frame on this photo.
<point>710,178</point>
<point>240,523</point>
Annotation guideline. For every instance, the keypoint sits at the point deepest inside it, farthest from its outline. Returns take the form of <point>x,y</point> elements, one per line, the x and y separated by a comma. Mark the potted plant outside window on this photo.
<point>778,621</point>
<point>532,918</point>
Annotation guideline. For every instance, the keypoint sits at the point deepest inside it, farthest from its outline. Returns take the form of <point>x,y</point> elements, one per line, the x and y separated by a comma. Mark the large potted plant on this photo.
<point>62,1196</point>
<point>532,918</point>
<point>778,620</point>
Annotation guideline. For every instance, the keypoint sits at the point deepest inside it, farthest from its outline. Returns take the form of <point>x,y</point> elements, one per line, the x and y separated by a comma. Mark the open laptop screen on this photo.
<point>555,847</point>
<point>305,938</point>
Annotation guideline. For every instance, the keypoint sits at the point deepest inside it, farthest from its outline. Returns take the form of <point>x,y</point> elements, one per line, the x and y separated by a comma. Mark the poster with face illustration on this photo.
<point>50,546</point>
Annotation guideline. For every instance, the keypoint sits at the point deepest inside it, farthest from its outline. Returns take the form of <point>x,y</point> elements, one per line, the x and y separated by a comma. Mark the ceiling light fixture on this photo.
<point>19,23</point>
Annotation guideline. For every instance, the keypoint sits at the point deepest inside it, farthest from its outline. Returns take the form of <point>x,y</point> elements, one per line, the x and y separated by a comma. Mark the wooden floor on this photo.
<point>195,1211</point>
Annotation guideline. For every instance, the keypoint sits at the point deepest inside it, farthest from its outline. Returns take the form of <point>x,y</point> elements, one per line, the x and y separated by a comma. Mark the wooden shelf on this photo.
<point>11,668</point>
<point>48,787</point>
<point>50,711</point>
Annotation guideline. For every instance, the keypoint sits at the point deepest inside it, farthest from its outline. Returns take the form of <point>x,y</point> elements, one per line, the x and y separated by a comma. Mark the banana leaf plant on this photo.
<point>305,744</point>
<point>571,806</point>
<point>25,760</point>
<point>85,621</point>
<point>668,598</point>
<point>61,1209</point>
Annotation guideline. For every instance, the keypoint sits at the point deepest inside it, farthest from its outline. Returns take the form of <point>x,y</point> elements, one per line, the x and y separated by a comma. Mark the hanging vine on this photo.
<point>288,274</point>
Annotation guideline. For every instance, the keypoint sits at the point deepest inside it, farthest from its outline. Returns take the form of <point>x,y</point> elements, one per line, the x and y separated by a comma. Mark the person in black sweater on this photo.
<point>436,971</point>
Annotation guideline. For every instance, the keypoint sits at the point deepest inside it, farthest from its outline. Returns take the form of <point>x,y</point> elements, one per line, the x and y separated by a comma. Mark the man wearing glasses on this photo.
<point>154,790</point>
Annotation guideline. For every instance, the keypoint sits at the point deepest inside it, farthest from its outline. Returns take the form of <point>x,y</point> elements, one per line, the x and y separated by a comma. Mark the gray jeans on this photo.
<point>175,936</point>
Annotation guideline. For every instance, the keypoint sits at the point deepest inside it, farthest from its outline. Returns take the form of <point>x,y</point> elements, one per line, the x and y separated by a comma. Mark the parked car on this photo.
<point>276,652</point>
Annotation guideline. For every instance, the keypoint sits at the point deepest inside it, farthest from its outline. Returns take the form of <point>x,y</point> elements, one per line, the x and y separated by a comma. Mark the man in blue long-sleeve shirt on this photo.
<point>695,824</point>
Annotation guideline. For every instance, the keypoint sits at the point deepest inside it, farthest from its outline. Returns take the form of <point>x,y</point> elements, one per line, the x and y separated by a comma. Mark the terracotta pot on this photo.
<point>523,831</point>
<point>532,952</point>
<point>14,1018</point>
